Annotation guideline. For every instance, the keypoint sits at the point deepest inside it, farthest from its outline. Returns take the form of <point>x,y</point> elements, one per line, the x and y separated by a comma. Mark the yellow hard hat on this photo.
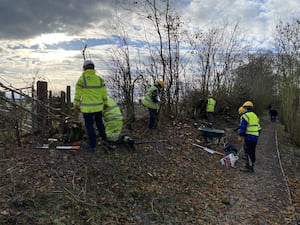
<point>241,110</point>
<point>248,104</point>
<point>161,83</point>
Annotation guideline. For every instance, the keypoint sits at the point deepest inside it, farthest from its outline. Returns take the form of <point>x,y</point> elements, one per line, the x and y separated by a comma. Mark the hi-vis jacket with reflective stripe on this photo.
<point>250,127</point>
<point>113,120</point>
<point>112,112</point>
<point>211,103</point>
<point>90,92</point>
<point>150,100</point>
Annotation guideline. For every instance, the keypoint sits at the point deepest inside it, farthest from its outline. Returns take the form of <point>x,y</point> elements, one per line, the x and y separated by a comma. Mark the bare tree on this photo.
<point>164,54</point>
<point>204,47</point>
<point>123,79</point>
<point>217,52</point>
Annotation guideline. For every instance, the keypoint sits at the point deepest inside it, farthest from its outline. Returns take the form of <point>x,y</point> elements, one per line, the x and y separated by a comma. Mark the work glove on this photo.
<point>240,138</point>
<point>77,109</point>
<point>161,103</point>
<point>105,107</point>
<point>236,129</point>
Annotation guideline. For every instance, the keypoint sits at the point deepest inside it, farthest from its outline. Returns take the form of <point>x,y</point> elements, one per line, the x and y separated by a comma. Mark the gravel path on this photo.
<point>260,198</point>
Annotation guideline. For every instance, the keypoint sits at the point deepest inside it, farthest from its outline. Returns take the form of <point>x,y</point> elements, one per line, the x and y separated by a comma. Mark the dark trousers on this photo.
<point>152,117</point>
<point>90,119</point>
<point>250,147</point>
<point>210,116</point>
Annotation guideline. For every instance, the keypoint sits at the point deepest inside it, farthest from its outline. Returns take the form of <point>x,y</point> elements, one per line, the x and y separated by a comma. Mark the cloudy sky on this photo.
<point>43,39</point>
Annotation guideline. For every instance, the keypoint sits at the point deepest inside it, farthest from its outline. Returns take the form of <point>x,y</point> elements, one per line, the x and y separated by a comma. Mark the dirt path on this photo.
<point>259,198</point>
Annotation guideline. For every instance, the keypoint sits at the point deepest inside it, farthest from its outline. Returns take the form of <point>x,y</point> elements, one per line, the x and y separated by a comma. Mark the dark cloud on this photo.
<point>21,19</point>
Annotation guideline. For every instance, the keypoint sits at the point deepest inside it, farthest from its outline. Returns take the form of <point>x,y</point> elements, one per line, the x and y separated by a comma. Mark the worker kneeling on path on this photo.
<point>113,122</point>
<point>249,129</point>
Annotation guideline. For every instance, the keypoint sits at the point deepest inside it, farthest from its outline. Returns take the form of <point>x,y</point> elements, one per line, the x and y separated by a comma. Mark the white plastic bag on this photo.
<point>229,160</point>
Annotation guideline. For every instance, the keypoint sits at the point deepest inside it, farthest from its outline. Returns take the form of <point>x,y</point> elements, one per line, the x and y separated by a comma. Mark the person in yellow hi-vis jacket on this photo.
<point>249,130</point>
<point>152,102</point>
<point>210,109</point>
<point>91,98</point>
<point>113,122</point>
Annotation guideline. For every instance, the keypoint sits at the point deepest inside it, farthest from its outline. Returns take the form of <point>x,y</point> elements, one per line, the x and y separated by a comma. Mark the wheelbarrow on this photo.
<point>213,136</point>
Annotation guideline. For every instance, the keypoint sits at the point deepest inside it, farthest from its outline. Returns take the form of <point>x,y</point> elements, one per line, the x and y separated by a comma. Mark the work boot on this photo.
<point>86,146</point>
<point>129,141</point>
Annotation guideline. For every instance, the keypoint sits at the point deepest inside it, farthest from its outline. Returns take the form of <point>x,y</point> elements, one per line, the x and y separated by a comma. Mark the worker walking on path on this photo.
<point>152,102</point>
<point>273,114</point>
<point>249,131</point>
<point>90,98</point>
<point>113,122</point>
<point>210,109</point>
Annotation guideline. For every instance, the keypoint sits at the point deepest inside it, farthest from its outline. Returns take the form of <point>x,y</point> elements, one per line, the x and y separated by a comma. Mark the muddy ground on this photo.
<point>167,182</point>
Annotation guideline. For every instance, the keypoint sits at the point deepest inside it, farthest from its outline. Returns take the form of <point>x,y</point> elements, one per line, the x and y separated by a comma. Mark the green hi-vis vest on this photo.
<point>113,120</point>
<point>147,101</point>
<point>253,127</point>
<point>113,111</point>
<point>210,107</point>
<point>90,92</point>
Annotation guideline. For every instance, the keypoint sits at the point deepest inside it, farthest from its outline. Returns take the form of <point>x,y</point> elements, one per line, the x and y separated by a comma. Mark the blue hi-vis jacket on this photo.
<point>249,126</point>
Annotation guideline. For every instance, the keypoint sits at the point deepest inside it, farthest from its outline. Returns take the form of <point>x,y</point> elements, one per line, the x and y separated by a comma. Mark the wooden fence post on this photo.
<point>42,95</point>
<point>63,101</point>
<point>68,100</point>
<point>17,127</point>
<point>33,118</point>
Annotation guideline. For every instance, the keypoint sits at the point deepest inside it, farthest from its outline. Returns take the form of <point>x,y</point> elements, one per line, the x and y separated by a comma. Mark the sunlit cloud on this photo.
<point>51,38</point>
